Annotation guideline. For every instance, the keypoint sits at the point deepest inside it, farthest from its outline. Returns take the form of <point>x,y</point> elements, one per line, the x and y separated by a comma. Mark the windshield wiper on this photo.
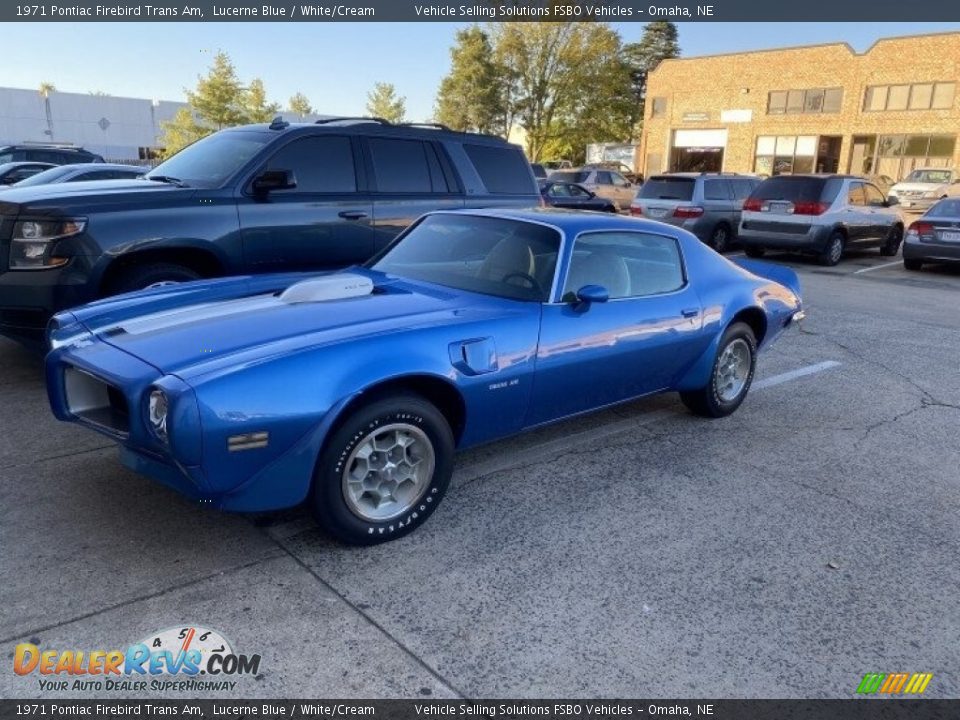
<point>167,179</point>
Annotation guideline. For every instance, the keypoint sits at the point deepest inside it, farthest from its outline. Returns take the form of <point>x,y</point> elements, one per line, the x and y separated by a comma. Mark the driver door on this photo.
<point>638,342</point>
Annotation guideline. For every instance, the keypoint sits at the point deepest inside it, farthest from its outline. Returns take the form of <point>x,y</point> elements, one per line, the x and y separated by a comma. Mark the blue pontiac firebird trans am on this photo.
<point>354,388</point>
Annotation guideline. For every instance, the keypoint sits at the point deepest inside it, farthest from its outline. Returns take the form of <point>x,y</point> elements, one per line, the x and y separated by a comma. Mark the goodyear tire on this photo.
<point>731,377</point>
<point>383,471</point>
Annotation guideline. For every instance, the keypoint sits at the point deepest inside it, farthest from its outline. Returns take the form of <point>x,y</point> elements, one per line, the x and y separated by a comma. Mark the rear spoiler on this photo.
<point>771,271</point>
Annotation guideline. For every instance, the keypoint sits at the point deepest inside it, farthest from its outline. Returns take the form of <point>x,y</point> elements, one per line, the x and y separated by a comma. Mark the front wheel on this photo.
<point>731,377</point>
<point>384,471</point>
<point>149,276</point>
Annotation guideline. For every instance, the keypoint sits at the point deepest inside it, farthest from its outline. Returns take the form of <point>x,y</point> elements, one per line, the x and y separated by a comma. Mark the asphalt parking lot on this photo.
<point>641,552</point>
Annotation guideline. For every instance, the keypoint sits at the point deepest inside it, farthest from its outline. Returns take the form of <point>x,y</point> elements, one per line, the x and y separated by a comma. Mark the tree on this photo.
<point>219,99</point>
<point>658,42</point>
<point>45,89</point>
<point>383,102</point>
<point>300,105</point>
<point>564,84</point>
<point>255,105</point>
<point>180,131</point>
<point>471,95</point>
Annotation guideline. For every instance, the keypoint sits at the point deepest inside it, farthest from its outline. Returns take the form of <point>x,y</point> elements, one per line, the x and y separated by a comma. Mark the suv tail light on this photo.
<point>920,228</point>
<point>752,204</point>
<point>636,210</point>
<point>806,207</point>
<point>688,211</point>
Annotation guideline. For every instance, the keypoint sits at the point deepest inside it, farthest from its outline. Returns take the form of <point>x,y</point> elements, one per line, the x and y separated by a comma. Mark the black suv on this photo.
<point>252,199</point>
<point>53,154</point>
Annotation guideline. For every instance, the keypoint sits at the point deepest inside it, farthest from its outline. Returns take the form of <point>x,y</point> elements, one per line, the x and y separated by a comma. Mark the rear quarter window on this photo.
<point>503,170</point>
<point>667,188</point>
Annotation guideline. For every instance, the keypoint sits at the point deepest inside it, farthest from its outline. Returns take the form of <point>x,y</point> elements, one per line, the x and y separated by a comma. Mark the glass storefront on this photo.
<point>897,155</point>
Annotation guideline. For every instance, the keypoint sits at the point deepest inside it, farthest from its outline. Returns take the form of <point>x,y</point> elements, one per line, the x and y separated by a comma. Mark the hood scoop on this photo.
<point>340,286</point>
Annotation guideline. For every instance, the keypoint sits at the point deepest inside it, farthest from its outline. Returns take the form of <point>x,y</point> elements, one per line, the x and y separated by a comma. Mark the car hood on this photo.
<point>918,187</point>
<point>205,326</point>
<point>57,193</point>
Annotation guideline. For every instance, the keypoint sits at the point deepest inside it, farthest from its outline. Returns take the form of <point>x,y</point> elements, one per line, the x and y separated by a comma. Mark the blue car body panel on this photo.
<point>237,361</point>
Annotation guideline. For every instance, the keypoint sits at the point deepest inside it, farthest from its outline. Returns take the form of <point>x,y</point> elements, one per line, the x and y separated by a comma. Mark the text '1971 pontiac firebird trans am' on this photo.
<point>352,390</point>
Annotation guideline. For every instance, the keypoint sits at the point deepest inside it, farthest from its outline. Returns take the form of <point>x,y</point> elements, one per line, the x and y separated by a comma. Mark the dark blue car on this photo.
<point>352,389</point>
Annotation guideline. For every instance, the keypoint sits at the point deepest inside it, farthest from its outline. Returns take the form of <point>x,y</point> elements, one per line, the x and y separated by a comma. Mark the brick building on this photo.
<point>821,108</point>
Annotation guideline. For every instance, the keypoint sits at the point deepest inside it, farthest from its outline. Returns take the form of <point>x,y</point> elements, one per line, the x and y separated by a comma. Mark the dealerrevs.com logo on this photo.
<point>188,659</point>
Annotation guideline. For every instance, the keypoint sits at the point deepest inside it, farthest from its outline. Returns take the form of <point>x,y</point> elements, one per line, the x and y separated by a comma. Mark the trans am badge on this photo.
<point>188,658</point>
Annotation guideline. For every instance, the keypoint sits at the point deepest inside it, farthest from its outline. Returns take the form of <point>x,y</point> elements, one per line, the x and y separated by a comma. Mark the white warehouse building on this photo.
<point>118,128</point>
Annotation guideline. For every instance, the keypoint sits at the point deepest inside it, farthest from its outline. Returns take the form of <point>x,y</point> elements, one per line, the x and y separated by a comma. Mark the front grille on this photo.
<point>95,401</point>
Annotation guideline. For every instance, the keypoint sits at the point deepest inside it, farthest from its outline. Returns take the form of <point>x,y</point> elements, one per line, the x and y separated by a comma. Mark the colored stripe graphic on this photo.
<point>894,683</point>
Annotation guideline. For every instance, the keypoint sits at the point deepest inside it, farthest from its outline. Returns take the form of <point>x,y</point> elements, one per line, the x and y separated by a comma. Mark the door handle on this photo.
<point>690,312</point>
<point>352,214</point>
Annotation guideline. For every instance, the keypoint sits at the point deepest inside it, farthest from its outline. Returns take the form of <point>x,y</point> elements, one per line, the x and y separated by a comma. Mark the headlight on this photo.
<point>157,410</point>
<point>33,242</point>
<point>932,194</point>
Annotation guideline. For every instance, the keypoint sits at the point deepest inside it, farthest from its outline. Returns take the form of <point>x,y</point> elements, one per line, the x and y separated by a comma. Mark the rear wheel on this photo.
<point>142,277</point>
<point>720,237</point>
<point>731,377</point>
<point>384,471</point>
<point>754,252</point>
<point>891,246</point>
<point>833,251</point>
<point>912,264</point>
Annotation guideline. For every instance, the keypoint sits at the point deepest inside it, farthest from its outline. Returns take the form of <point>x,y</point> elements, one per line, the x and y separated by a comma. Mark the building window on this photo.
<point>919,96</point>
<point>785,154</point>
<point>897,155</point>
<point>658,108</point>
<point>814,100</point>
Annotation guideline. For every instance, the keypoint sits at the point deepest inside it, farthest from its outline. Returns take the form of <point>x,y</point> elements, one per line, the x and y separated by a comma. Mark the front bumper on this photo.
<point>783,236</point>
<point>915,204</point>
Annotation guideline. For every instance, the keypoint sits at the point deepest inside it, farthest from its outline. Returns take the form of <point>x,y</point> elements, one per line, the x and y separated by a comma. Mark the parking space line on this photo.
<point>876,267</point>
<point>554,448</point>
<point>794,374</point>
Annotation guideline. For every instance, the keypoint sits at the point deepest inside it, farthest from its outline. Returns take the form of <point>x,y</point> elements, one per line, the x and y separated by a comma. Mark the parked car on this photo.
<point>706,204</point>
<point>619,167</point>
<point>539,171</point>
<point>934,237</point>
<point>820,214</point>
<point>53,154</point>
<point>83,172</point>
<point>352,389</point>
<point>551,165</point>
<point>252,199</point>
<point>14,172</point>
<point>923,187</point>
<point>574,197</point>
<point>605,183</point>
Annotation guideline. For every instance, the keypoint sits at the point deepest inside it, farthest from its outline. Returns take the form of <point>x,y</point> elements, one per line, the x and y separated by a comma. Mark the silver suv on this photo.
<point>819,214</point>
<point>607,184</point>
<point>706,204</point>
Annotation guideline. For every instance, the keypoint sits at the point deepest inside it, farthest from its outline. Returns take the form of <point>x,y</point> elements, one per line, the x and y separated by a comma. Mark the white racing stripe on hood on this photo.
<point>194,313</point>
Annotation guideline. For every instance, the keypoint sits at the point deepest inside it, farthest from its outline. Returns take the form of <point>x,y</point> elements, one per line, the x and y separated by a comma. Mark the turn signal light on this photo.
<point>636,210</point>
<point>810,208</point>
<point>920,228</point>
<point>688,211</point>
<point>752,204</point>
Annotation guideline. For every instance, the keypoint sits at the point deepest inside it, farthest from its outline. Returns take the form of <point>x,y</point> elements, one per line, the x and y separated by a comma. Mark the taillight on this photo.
<point>920,228</point>
<point>810,208</point>
<point>752,204</point>
<point>636,210</point>
<point>688,211</point>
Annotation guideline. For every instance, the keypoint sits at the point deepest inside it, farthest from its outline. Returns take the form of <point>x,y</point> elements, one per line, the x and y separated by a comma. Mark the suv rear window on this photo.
<point>570,176</point>
<point>787,187</point>
<point>503,170</point>
<point>667,188</point>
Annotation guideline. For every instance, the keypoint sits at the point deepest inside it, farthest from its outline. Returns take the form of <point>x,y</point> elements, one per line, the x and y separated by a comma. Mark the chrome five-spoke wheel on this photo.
<point>733,369</point>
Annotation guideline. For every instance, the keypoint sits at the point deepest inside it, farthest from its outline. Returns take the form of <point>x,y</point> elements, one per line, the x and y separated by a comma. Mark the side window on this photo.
<point>716,190</point>
<point>618,179</point>
<point>321,164</point>
<point>400,166</point>
<point>742,188</point>
<point>503,170</point>
<point>559,190</point>
<point>627,264</point>
<point>874,196</point>
<point>577,191</point>
<point>100,175</point>
<point>603,178</point>
<point>856,195</point>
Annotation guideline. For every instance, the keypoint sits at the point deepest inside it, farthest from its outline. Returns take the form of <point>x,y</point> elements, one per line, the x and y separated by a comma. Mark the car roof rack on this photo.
<point>435,126</point>
<point>353,118</point>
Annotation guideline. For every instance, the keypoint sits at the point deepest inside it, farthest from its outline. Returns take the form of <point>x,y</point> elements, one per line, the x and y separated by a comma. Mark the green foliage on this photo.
<point>255,105</point>
<point>383,102</point>
<point>182,130</point>
<point>658,42</point>
<point>470,96</point>
<point>300,105</point>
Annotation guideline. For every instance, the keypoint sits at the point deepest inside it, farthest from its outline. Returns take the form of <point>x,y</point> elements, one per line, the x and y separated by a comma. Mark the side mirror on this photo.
<point>891,201</point>
<point>589,294</point>
<point>274,180</point>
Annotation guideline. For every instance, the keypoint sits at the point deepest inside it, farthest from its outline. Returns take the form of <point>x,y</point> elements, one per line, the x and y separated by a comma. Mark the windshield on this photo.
<point>506,258</point>
<point>42,178</point>
<point>938,177</point>
<point>209,162</point>
<point>667,188</point>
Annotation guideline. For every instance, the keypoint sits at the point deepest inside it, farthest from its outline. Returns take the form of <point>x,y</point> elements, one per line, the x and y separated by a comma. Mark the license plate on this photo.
<point>657,212</point>
<point>907,203</point>
<point>780,207</point>
<point>949,236</point>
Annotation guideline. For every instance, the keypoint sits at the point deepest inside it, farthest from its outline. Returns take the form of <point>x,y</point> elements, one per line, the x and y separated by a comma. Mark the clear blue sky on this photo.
<point>334,64</point>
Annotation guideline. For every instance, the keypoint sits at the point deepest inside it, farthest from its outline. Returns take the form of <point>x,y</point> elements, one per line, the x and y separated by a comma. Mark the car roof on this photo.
<point>569,221</point>
<point>21,163</point>
<point>97,167</point>
<point>372,126</point>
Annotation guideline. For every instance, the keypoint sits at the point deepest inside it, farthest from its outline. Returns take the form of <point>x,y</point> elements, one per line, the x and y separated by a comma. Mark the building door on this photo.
<point>697,150</point>
<point>828,153</point>
<point>862,153</point>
